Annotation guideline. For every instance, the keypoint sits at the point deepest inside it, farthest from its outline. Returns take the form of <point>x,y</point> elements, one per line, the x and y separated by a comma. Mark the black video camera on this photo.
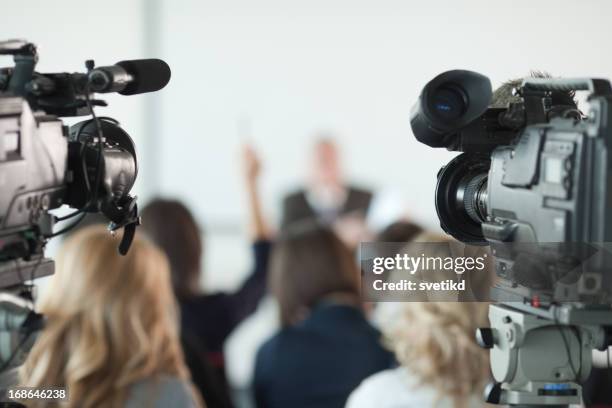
<point>45,164</point>
<point>534,181</point>
<point>90,166</point>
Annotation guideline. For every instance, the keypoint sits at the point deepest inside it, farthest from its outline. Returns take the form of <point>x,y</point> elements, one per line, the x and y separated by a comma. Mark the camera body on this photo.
<point>44,164</point>
<point>533,181</point>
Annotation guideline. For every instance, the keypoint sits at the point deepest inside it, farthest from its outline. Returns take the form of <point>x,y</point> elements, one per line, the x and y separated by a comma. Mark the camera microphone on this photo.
<point>130,77</point>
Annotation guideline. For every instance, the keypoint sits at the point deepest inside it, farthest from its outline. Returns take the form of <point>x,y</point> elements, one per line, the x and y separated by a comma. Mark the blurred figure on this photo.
<point>327,195</point>
<point>399,231</point>
<point>208,319</point>
<point>111,337</point>
<point>441,364</point>
<point>325,347</point>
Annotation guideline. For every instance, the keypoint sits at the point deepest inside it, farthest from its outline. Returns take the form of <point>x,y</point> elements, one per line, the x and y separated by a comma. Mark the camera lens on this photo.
<point>448,102</point>
<point>474,197</point>
<point>461,197</point>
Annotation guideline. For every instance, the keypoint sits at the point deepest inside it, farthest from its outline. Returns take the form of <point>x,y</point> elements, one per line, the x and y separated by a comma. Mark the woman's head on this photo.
<point>399,231</point>
<point>170,224</point>
<point>309,263</point>
<point>435,341</point>
<point>111,320</point>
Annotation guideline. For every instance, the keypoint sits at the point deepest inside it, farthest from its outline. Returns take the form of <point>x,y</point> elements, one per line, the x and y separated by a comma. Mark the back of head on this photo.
<point>309,263</point>
<point>435,340</point>
<point>400,231</point>
<point>326,161</point>
<point>170,224</point>
<point>111,321</point>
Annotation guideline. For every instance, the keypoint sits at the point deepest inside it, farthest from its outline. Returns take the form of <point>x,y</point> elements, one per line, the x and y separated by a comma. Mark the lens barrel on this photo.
<point>461,197</point>
<point>475,198</point>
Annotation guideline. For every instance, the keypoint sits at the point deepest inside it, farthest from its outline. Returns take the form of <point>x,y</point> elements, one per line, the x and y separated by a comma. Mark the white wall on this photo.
<point>68,32</point>
<point>275,71</point>
<point>291,68</point>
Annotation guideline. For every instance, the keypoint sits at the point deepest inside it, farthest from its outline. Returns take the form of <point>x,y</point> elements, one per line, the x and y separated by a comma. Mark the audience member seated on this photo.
<point>111,336</point>
<point>326,347</point>
<point>440,363</point>
<point>401,230</point>
<point>327,196</point>
<point>398,232</point>
<point>208,319</point>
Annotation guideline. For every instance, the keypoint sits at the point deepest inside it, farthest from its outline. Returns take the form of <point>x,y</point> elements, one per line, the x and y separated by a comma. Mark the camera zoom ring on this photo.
<point>471,197</point>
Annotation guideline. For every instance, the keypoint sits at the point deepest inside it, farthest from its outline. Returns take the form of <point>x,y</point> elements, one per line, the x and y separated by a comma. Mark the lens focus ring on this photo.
<point>474,198</point>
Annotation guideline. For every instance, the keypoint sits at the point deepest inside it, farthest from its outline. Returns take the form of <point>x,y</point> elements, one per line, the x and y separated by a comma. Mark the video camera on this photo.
<point>44,164</point>
<point>533,182</point>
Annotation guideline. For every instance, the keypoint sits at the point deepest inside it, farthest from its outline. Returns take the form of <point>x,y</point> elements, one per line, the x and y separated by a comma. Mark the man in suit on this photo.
<point>327,197</point>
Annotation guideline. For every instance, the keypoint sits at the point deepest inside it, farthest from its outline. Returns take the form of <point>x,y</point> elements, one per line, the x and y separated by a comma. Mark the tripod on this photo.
<point>540,355</point>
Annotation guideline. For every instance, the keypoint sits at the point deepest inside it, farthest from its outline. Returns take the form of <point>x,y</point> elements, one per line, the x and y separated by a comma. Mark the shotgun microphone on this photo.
<point>130,77</point>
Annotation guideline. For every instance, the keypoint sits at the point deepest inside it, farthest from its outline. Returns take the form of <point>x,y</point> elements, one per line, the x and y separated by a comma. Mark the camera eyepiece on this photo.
<point>448,103</point>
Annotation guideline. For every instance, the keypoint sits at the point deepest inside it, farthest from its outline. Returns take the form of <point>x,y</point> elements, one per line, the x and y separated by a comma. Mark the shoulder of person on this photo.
<point>164,391</point>
<point>399,388</point>
<point>265,358</point>
<point>374,390</point>
<point>267,350</point>
<point>285,340</point>
<point>295,195</point>
<point>277,340</point>
<point>360,191</point>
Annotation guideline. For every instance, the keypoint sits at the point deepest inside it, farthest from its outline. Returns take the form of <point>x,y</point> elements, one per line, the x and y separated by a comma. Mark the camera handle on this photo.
<point>25,57</point>
<point>597,87</point>
<point>123,214</point>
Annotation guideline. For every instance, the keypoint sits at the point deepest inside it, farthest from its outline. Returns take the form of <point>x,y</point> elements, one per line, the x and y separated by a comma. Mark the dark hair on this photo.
<point>399,231</point>
<point>308,263</point>
<point>170,224</point>
<point>504,94</point>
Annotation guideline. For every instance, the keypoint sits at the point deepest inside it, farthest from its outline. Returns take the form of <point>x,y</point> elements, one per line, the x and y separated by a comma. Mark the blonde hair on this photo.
<point>111,321</point>
<point>436,342</point>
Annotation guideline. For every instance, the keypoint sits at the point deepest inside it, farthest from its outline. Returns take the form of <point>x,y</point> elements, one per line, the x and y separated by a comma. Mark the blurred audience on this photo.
<point>440,362</point>
<point>326,347</point>
<point>327,196</point>
<point>208,319</point>
<point>399,231</point>
<point>111,337</point>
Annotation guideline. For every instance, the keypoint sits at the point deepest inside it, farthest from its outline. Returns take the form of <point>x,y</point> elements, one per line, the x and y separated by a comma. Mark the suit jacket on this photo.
<point>297,208</point>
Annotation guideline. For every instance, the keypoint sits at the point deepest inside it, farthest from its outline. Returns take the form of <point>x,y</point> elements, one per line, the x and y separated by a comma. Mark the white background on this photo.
<point>276,72</point>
